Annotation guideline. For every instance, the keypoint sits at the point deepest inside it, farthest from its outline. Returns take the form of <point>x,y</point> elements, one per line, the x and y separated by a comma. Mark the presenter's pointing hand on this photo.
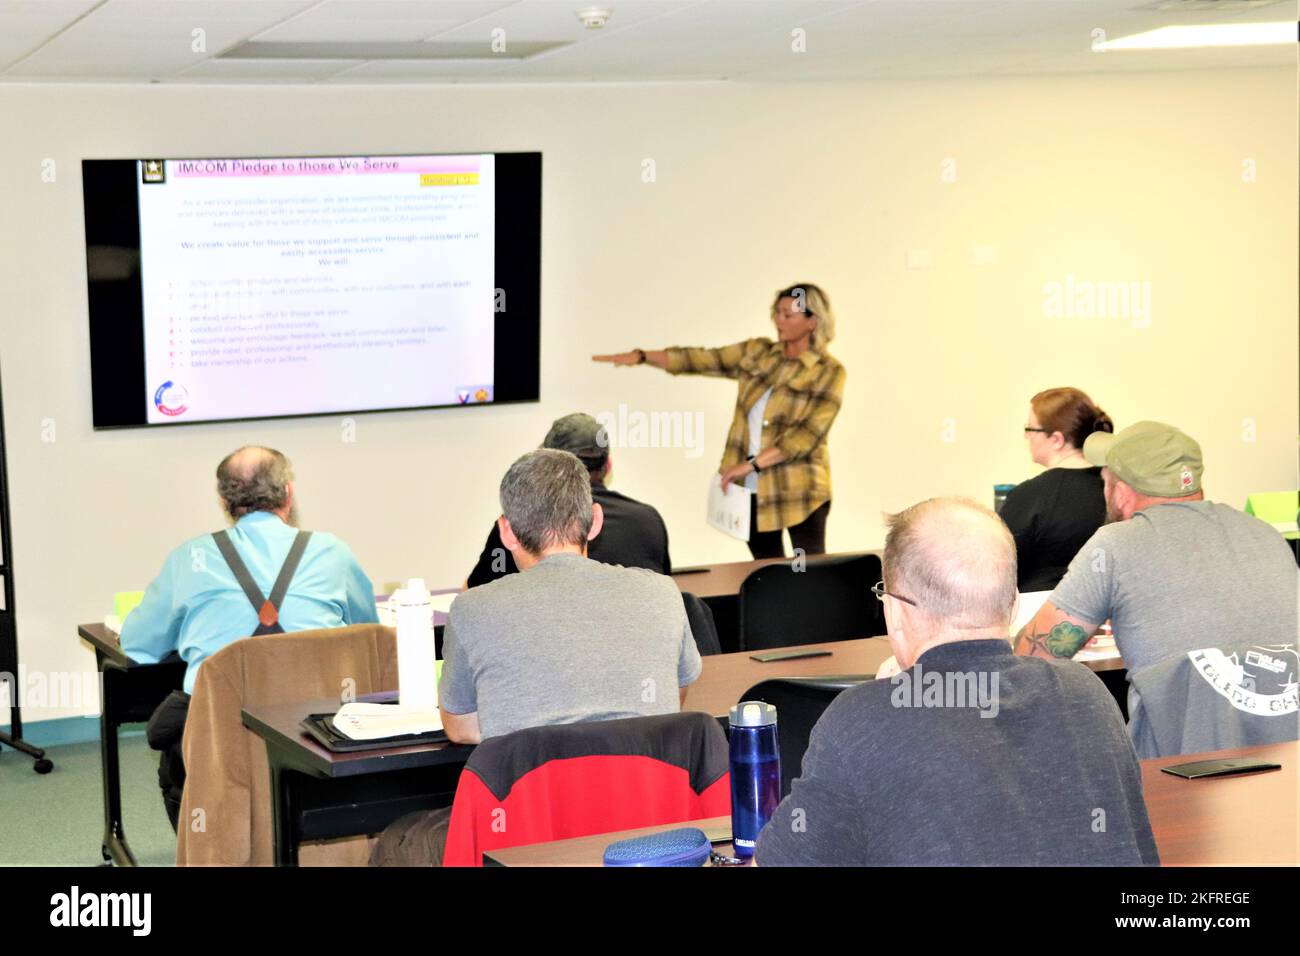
<point>621,358</point>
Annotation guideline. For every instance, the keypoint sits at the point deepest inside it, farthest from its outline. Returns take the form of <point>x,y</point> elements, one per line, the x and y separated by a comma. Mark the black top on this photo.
<point>634,535</point>
<point>1052,516</point>
<point>971,757</point>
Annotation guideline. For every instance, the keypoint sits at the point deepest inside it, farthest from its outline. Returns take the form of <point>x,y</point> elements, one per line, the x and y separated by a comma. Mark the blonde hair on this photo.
<point>811,300</point>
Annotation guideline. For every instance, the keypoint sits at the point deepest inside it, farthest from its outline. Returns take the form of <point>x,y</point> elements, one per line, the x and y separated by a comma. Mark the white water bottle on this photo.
<point>417,684</point>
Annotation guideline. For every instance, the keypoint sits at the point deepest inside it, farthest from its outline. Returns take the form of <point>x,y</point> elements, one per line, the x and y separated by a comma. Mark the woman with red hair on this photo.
<point>1053,514</point>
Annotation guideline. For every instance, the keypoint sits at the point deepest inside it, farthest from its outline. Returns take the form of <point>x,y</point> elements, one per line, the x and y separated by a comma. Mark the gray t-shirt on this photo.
<point>569,639</point>
<point>1180,575</point>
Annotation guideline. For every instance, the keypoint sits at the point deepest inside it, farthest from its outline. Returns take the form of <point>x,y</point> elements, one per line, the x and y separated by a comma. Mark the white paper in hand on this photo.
<point>729,511</point>
<point>362,721</point>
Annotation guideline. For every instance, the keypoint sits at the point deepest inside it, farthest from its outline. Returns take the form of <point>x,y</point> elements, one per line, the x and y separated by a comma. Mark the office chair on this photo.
<point>702,626</point>
<point>800,703</point>
<point>569,780</point>
<point>829,599</point>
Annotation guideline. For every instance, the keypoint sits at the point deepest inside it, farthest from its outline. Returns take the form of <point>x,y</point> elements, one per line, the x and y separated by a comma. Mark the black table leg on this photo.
<point>114,847</point>
<point>283,824</point>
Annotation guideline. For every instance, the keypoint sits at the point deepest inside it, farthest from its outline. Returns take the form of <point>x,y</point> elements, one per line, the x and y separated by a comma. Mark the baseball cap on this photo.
<point>581,435</point>
<point>1151,457</point>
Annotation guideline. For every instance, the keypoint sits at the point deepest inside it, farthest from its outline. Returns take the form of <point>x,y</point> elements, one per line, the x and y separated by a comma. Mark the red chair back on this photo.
<point>572,780</point>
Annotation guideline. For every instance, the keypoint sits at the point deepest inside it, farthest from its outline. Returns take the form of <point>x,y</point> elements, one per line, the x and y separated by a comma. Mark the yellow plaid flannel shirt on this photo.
<point>806,396</point>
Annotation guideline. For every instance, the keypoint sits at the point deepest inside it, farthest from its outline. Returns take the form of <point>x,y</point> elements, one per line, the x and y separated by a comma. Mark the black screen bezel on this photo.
<point>110,199</point>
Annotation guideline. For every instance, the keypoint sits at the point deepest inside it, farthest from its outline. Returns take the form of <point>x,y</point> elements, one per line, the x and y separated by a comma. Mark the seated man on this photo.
<point>633,534</point>
<point>568,639</point>
<point>1172,572</point>
<point>261,577</point>
<point>970,756</point>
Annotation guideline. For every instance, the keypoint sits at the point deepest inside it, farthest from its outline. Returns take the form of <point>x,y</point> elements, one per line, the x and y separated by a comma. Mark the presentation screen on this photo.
<point>225,289</point>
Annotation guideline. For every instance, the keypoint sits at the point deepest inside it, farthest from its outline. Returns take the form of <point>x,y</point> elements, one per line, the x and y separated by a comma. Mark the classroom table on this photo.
<point>129,693</point>
<point>1247,820</point>
<point>319,795</point>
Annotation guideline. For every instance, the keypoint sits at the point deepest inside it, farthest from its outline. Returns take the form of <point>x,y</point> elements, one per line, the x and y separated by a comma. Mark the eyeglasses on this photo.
<point>1028,430</point>
<point>878,589</point>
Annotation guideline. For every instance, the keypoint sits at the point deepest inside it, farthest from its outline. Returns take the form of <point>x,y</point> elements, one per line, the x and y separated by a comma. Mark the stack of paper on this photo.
<point>361,721</point>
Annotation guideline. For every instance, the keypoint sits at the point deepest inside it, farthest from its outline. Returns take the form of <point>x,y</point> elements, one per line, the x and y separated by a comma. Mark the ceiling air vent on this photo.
<point>420,50</point>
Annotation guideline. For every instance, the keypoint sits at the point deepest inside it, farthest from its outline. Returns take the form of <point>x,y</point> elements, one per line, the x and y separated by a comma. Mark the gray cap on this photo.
<point>752,713</point>
<point>579,434</point>
<point>1151,457</point>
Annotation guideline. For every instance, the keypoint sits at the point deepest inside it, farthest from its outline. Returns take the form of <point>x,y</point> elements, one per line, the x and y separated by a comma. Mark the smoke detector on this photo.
<point>593,18</point>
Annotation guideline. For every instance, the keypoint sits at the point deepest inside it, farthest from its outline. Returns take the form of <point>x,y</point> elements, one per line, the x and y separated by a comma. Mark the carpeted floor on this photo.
<point>58,818</point>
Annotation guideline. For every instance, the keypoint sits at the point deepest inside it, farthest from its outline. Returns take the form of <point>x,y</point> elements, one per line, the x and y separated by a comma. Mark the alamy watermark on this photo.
<point>1088,299</point>
<point>77,690</point>
<point>633,428</point>
<point>920,688</point>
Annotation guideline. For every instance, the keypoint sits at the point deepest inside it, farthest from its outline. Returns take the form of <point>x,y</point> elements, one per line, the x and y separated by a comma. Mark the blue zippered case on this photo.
<point>686,847</point>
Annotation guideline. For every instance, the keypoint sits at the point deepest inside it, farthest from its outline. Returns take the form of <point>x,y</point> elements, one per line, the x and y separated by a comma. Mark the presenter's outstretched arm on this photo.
<point>657,359</point>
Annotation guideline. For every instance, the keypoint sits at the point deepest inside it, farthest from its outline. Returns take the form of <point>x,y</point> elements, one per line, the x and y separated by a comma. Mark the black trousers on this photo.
<point>808,535</point>
<point>164,732</point>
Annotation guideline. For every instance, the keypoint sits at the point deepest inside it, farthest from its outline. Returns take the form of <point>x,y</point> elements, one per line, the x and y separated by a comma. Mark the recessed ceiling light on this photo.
<point>1206,35</point>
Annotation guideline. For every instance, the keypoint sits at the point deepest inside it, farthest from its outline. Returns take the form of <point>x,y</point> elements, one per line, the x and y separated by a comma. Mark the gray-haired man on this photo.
<point>633,533</point>
<point>262,576</point>
<point>568,639</point>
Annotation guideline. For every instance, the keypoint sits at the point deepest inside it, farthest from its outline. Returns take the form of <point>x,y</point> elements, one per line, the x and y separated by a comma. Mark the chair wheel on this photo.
<point>43,765</point>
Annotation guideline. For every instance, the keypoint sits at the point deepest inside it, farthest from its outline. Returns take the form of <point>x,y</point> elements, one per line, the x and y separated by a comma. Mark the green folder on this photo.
<point>124,602</point>
<point>1278,508</point>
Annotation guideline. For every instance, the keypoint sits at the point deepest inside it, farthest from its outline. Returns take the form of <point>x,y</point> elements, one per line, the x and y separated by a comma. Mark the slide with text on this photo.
<point>296,286</point>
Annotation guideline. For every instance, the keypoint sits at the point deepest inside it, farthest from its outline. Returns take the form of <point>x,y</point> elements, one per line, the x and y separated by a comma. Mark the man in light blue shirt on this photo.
<point>198,603</point>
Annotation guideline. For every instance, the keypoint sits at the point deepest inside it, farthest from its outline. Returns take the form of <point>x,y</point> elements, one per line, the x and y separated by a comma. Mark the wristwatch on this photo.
<point>753,463</point>
<point>640,356</point>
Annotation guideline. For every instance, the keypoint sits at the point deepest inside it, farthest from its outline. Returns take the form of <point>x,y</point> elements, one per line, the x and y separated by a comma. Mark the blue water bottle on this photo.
<point>755,772</point>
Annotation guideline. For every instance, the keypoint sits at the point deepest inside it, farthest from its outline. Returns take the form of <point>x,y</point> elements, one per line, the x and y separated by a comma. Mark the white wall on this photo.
<point>1134,178</point>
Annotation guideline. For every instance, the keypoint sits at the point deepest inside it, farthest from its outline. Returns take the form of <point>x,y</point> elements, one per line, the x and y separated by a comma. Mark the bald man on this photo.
<point>263,576</point>
<point>970,756</point>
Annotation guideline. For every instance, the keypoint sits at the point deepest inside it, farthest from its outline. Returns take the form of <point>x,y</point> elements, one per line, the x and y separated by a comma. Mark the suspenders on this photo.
<point>268,609</point>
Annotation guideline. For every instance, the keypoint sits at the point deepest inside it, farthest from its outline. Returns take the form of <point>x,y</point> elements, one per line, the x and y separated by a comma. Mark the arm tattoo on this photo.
<point>1063,640</point>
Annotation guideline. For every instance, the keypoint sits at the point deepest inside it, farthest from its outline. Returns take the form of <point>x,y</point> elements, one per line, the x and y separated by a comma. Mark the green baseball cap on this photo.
<point>1150,457</point>
<point>581,435</point>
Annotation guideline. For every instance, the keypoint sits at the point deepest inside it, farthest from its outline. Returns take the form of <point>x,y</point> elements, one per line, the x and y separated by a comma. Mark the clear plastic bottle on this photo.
<point>416,654</point>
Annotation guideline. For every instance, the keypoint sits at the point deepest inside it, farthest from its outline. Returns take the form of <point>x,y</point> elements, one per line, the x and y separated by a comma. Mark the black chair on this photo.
<point>800,703</point>
<point>827,599</point>
<point>702,627</point>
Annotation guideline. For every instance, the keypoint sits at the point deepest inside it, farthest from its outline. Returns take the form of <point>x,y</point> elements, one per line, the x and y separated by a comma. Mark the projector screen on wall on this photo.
<point>224,289</point>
